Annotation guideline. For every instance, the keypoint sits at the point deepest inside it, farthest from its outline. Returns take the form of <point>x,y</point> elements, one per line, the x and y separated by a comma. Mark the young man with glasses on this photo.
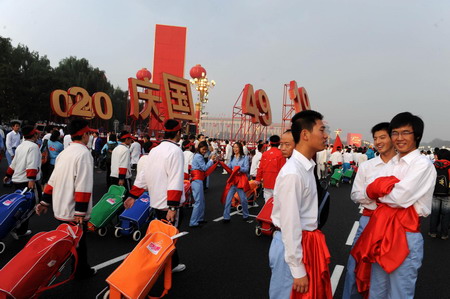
<point>389,252</point>
<point>367,172</point>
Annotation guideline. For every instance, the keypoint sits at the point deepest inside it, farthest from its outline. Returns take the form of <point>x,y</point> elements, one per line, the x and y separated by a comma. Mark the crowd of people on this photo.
<point>395,185</point>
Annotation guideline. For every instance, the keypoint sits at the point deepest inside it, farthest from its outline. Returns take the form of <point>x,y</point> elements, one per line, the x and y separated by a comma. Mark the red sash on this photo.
<point>367,212</point>
<point>236,178</point>
<point>316,258</point>
<point>200,174</point>
<point>383,241</point>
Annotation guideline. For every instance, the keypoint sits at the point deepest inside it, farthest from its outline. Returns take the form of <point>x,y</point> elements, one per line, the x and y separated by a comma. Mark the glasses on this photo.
<point>404,133</point>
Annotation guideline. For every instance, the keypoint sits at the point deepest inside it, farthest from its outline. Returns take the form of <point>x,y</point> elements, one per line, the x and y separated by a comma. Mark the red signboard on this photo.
<point>354,139</point>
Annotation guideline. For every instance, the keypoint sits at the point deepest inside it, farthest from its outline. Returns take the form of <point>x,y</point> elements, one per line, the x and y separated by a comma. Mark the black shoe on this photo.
<point>85,274</point>
<point>195,226</point>
<point>203,222</point>
<point>226,221</point>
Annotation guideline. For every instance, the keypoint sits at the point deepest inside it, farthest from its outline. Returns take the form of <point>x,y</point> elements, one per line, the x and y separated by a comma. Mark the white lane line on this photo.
<point>220,218</point>
<point>110,262</point>
<point>352,234</point>
<point>337,272</point>
<point>249,215</point>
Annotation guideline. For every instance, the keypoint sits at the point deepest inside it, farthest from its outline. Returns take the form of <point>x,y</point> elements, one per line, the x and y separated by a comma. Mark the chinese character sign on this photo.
<point>354,139</point>
<point>178,98</point>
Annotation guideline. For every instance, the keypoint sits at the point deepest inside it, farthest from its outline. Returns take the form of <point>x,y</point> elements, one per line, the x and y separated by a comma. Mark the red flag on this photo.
<point>337,143</point>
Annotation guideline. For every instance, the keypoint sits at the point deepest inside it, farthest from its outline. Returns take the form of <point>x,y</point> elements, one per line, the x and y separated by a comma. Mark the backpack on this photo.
<point>442,187</point>
<point>111,147</point>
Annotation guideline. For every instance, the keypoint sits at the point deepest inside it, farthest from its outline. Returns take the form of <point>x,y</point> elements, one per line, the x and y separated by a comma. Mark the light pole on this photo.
<point>202,85</point>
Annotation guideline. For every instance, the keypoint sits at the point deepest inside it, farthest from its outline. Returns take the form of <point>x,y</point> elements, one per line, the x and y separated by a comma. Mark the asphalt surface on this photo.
<point>229,260</point>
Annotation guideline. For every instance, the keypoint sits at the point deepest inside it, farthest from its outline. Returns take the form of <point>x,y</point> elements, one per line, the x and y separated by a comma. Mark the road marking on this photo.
<point>352,234</point>
<point>110,262</point>
<point>337,272</point>
<point>220,218</point>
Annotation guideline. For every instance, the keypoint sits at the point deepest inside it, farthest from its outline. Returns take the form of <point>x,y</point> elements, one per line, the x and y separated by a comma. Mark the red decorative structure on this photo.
<point>197,72</point>
<point>298,101</point>
<point>248,130</point>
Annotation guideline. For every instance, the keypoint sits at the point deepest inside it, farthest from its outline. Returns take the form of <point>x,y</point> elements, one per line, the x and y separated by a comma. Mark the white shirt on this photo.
<point>336,158</point>
<point>67,140</point>
<point>245,148</point>
<point>228,152</point>
<point>162,172</point>
<point>141,163</point>
<point>28,156</point>
<point>73,173</point>
<point>348,157</point>
<point>322,157</point>
<point>135,151</point>
<point>367,172</point>
<point>47,136</point>
<point>120,159</point>
<point>13,140</point>
<point>362,158</point>
<point>188,157</point>
<point>356,157</point>
<point>89,144</point>
<point>295,208</point>
<point>417,176</point>
<point>255,163</point>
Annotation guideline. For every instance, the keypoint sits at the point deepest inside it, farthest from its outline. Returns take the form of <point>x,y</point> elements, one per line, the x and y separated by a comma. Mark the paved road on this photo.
<point>229,260</point>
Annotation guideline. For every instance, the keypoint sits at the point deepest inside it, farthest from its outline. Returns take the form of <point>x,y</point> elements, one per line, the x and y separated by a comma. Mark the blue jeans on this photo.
<point>440,206</point>
<point>350,289</point>
<point>198,212</point>
<point>401,283</point>
<point>8,157</point>
<point>226,211</point>
<point>281,279</point>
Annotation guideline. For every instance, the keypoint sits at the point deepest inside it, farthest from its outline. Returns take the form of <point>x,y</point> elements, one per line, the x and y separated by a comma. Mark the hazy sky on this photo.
<point>361,62</point>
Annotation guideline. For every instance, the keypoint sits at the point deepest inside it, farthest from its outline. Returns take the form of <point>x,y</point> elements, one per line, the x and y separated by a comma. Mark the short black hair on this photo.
<point>408,119</point>
<point>170,124</point>
<point>14,122</point>
<point>113,137</point>
<point>76,125</point>
<point>275,139</point>
<point>55,136</point>
<point>200,135</point>
<point>443,154</point>
<point>26,130</point>
<point>123,133</point>
<point>384,126</point>
<point>260,146</point>
<point>147,146</point>
<point>304,120</point>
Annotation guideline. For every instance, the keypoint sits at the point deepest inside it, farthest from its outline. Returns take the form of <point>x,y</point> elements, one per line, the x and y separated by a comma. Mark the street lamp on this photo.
<point>202,85</point>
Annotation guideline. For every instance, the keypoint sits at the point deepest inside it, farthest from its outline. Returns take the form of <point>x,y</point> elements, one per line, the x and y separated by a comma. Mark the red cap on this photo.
<point>84,130</point>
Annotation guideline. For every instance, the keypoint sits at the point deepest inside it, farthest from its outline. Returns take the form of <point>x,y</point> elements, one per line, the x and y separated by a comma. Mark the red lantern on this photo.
<point>197,72</point>
<point>144,74</point>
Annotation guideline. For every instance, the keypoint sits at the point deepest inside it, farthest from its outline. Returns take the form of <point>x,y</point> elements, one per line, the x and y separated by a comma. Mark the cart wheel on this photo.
<point>350,182</point>
<point>137,235</point>
<point>118,232</point>
<point>258,231</point>
<point>2,247</point>
<point>102,231</point>
<point>106,296</point>
<point>239,208</point>
<point>337,185</point>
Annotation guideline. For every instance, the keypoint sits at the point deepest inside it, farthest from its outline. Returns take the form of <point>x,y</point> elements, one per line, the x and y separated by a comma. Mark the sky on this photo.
<point>361,61</point>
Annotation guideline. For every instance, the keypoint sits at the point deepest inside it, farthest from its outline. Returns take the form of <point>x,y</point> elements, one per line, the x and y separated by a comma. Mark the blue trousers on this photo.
<point>345,166</point>
<point>281,279</point>
<point>198,211</point>
<point>350,289</point>
<point>401,283</point>
<point>244,204</point>
<point>8,157</point>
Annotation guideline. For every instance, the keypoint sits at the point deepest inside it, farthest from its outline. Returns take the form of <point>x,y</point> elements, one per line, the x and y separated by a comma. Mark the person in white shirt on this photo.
<point>255,161</point>
<point>228,153</point>
<point>67,140</point>
<point>188,152</point>
<point>25,171</point>
<point>336,159</point>
<point>69,190</point>
<point>404,191</point>
<point>321,160</point>
<point>244,146</point>
<point>367,172</point>
<point>347,159</point>
<point>13,139</point>
<point>120,161</point>
<point>295,216</point>
<point>135,152</point>
<point>163,178</point>
<point>287,144</point>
